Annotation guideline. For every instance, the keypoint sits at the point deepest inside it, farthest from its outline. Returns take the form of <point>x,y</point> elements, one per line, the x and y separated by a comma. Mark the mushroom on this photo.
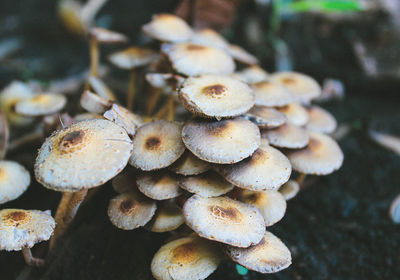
<point>189,164</point>
<point>289,189</point>
<point>159,185</point>
<point>94,103</point>
<point>22,229</point>
<point>320,120</point>
<point>272,94</point>
<point>265,117</point>
<point>210,38</point>
<point>41,104</point>
<point>168,217</point>
<point>241,55</point>
<point>252,75</point>
<point>295,113</point>
<point>4,135</point>
<point>287,136</point>
<point>124,118</point>
<point>167,28</point>
<point>14,180</point>
<point>101,88</point>
<point>125,181</point>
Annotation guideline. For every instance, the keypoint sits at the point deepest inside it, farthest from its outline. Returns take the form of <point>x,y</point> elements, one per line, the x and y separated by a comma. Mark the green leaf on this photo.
<point>324,5</point>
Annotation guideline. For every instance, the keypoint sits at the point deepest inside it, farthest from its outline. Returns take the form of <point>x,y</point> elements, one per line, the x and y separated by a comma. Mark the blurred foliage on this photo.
<point>326,6</point>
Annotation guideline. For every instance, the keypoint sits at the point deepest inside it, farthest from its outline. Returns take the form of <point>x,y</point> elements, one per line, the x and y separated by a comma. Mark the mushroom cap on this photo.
<point>295,113</point>
<point>4,135</point>
<point>225,220</point>
<point>125,181</point>
<point>210,38</point>
<point>218,96</point>
<point>252,74</point>
<point>105,36</point>
<point>190,258</point>
<point>226,141</point>
<point>14,180</point>
<point>272,94</point>
<point>168,217</point>
<point>271,203</point>
<point>124,118</point>
<point>94,103</point>
<point>269,256</point>
<point>82,156</point>
<point>159,185</point>
<point>156,145</point>
<point>41,104</point>
<point>267,168</point>
<point>303,87</point>
<point>192,60</point>
<point>69,13</point>
<point>167,28</point>
<point>132,57</point>
<point>101,88</point>
<point>322,156</point>
<point>320,120</point>
<point>209,184</point>
<point>86,116</point>
<point>165,81</point>
<point>24,228</point>
<point>265,117</point>
<point>189,164</point>
<point>289,189</point>
<point>241,55</point>
<point>287,136</point>
<point>131,210</point>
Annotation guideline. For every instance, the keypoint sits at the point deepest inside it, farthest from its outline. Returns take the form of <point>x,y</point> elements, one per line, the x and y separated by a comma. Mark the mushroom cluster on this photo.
<point>214,162</point>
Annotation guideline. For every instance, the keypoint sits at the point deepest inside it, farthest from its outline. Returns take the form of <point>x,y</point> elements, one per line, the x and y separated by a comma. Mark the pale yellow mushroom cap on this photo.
<point>101,88</point>
<point>124,118</point>
<point>125,181</point>
<point>217,96</point>
<point>272,94</point>
<point>159,185</point>
<point>157,145</point>
<point>209,37</point>
<point>86,116</point>
<point>295,113</point>
<point>303,87</point>
<point>131,210</point>
<point>24,228</point>
<point>94,103</point>
<point>189,164</point>
<point>132,57</point>
<point>225,220</point>
<point>168,28</point>
<point>41,104</point>
<point>289,189</point>
<point>168,217</point>
<point>269,256</point>
<point>265,117</point>
<point>105,36</point>
<point>241,55</point>
<point>322,156</point>
<point>14,180</point>
<point>287,136</point>
<point>226,141</point>
<point>193,60</point>
<point>320,120</point>
<point>84,155</point>
<point>252,74</point>
<point>190,258</point>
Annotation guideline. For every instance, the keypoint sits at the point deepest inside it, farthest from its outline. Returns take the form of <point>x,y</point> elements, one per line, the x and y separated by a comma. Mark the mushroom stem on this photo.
<point>171,108</point>
<point>94,56</point>
<point>30,260</point>
<point>301,179</point>
<point>131,89</point>
<point>151,104</point>
<point>161,113</point>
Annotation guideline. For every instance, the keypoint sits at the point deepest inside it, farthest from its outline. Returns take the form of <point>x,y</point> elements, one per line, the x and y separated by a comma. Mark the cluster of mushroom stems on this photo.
<point>212,164</point>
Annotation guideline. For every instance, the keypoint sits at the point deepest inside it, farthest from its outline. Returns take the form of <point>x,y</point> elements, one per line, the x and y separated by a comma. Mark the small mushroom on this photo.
<point>189,164</point>
<point>241,55</point>
<point>41,104</point>
<point>295,113</point>
<point>101,88</point>
<point>289,189</point>
<point>124,118</point>
<point>252,75</point>
<point>320,120</point>
<point>210,38</point>
<point>287,136</point>
<point>125,181</point>
<point>159,185</point>
<point>94,103</point>
<point>14,180</point>
<point>167,28</point>
<point>265,117</point>
<point>168,217</point>
<point>272,94</point>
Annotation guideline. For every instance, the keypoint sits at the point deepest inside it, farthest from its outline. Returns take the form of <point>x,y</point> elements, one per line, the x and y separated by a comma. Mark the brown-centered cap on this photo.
<point>303,87</point>
<point>4,135</point>
<point>157,145</point>
<point>159,185</point>
<point>101,88</point>
<point>241,55</point>
<point>320,120</point>
<point>82,156</point>
<point>132,57</point>
<point>267,168</point>
<point>41,104</point>
<point>209,184</point>
<point>289,189</point>
<point>287,136</point>
<point>189,164</point>
<point>14,180</point>
<point>265,117</point>
<point>94,103</point>
<point>167,28</point>
<point>271,203</point>
<point>124,118</point>
<point>105,36</point>
<point>252,74</point>
<point>272,94</point>
<point>192,60</point>
<point>269,256</point>
<point>24,228</point>
<point>190,258</point>
<point>125,181</point>
<point>295,113</point>
<point>216,96</point>
<point>322,156</point>
<point>168,217</point>
<point>131,210</point>
<point>226,141</point>
<point>209,37</point>
<point>225,220</point>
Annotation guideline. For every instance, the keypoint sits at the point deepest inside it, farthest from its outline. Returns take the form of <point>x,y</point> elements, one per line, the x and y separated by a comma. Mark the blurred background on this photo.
<point>338,227</point>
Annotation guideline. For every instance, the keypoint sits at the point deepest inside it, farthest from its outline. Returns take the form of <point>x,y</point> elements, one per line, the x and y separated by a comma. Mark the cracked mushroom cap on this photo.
<point>156,145</point>
<point>209,184</point>
<point>125,181</point>
<point>224,220</point>
<point>271,94</point>
<point>132,57</point>
<point>265,117</point>
<point>252,74</point>
<point>41,104</point>
<point>303,87</point>
<point>168,217</point>
<point>14,180</point>
<point>124,118</point>
<point>82,156</point>
<point>189,164</point>
<point>320,120</point>
<point>269,256</point>
<point>241,55</point>
<point>192,60</point>
<point>295,113</point>
<point>289,189</point>
<point>131,210</point>
<point>267,168</point>
<point>167,28</point>
<point>210,38</point>
<point>24,228</point>
<point>190,258</point>
<point>216,96</point>
<point>287,136</point>
<point>227,141</point>
<point>105,36</point>
<point>322,156</point>
<point>159,185</point>
<point>271,203</point>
